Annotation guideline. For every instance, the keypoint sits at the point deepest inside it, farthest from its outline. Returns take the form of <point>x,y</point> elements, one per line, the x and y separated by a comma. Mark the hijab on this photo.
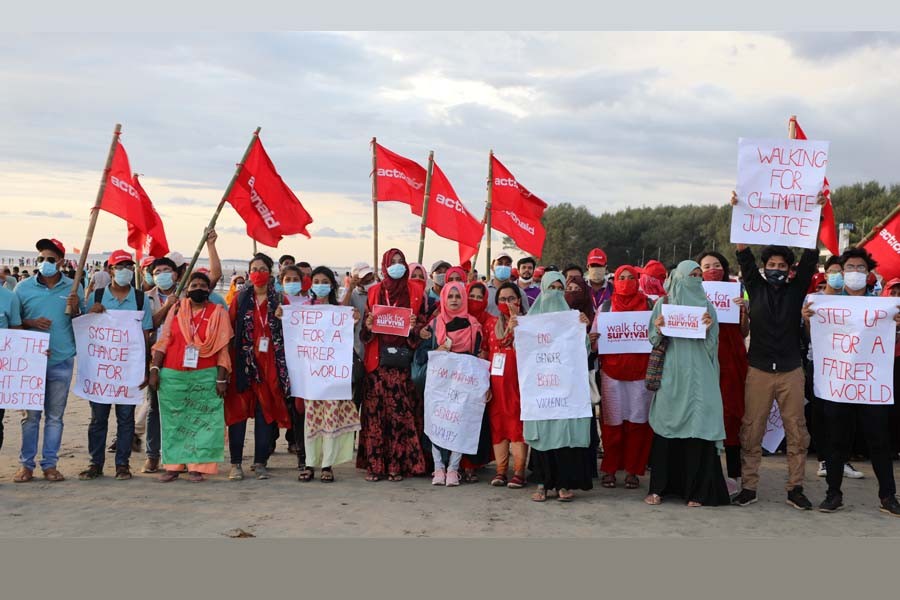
<point>458,325</point>
<point>233,288</point>
<point>652,277</point>
<point>412,267</point>
<point>627,295</point>
<point>394,291</point>
<point>684,290</point>
<point>460,271</point>
<point>580,300</point>
<point>478,309</point>
<point>550,300</point>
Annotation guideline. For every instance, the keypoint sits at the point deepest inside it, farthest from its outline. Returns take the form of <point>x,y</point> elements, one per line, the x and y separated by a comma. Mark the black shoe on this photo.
<point>745,497</point>
<point>798,499</point>
<point>890,506</point>
<point>833,502</point>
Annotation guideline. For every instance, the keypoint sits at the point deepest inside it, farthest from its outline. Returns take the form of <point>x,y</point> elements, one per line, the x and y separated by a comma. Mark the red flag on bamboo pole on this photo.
<point>120,196</point>
<point>399,179</point>
<point>264,201</point>
<point>153,240</point>
<point>450,219</point>
<point>515,211</point>
<point>883,243</point>
<point>828,229</point>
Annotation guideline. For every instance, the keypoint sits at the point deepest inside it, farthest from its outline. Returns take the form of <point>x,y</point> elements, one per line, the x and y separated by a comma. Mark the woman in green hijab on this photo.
<point>686,414</point>
<point>559,460</point>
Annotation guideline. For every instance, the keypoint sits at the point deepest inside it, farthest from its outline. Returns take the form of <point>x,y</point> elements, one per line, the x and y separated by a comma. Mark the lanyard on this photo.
<point>387,296</point>
<point>195,325</point>
<point>261,313</point>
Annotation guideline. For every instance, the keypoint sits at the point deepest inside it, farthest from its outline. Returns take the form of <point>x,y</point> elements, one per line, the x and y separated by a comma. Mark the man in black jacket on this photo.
<point>776,372</point>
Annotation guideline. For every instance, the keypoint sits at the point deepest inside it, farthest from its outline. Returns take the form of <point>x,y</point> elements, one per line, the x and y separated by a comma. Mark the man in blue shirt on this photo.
<point>119,295</point>
<point>10,318</point>
<point>45,299</point>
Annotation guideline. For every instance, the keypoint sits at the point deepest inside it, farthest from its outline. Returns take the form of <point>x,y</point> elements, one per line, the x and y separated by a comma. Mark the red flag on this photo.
<point>448,217</point>
<point>120,196</point>
<point>399,179</point>
<point>885,249</point>
<point>828,229</point>
<point>265,202</point>
<point>515,211</point>
<point>153,240</point>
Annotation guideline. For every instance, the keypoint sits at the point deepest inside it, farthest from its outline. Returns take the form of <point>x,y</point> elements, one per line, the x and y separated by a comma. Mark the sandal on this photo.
<point>540,495</point>
<point>694,504</point>
<point>395,477</point>
<point>52,474</point>
<point>327,475</point>
<point>372,477</point>
<point>632,482</point>
<point>169,476</point>
<point>470,476</point>
<point>567,497</point>
<point>499,480</point>
<point>516,482</point>
<point>653,499</point>
<point>196,477</point>
<point>307,473</point>
<point>608,480</point>
<point>23,474</point>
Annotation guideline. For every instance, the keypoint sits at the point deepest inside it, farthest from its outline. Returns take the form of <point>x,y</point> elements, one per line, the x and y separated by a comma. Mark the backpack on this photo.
<point>138,297</point>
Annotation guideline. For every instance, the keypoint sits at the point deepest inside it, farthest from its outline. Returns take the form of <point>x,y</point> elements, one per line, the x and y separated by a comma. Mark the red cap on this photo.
<point>51,244</point>
<point>120,256</point>
<point>514,273</point>
<point>538,273</point>
<point>597,257</point>
<point>147,261</point>
<point>203,270</point>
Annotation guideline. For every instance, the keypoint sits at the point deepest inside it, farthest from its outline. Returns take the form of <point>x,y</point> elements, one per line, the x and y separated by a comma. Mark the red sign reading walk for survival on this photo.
<point>391,320</point>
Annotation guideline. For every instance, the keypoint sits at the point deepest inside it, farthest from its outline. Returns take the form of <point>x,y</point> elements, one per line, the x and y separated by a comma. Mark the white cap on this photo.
<point>361,269</point>
<point>177,258</point>
<point>501,255</point>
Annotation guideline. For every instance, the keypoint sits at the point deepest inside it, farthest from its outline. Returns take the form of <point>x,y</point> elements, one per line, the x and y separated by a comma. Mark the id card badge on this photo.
<point>191,356</point>
<point>263,344</point>
<point>497,364</point>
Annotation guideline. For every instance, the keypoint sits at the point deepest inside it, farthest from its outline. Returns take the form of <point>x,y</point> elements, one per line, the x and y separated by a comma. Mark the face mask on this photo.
<point>477,306</point>
<point>440,279</point>
<point>502,272</point>
<point>574,298</point>
<point>524,280</point>
<point>124,277</point>
<point>835,280</point>
<point>164,280</point>
<point>148,279</point>
<point>321,290</point>
<point>855,281</point>
<point>292,288</point>
<point>199,296</point>
<point>259,279</point>
<point>596,274</point>
<point>369,286</point>
<point>306,283</point>
<point>776,277</point>
<point>278,287</point>
<point>553,295</point>
<point>714,275</point>
<point>48,269</point>
<point>627,287</point>
<point>503,308</point>
<point>396,271</point>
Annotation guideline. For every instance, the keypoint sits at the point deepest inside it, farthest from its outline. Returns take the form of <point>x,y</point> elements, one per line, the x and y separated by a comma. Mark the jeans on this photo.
<point>99,426</point>
<point>841,419</point>
<point>455,459</point>
<point>56,393</point>
<point>262,438</point>
<point>154,438</point>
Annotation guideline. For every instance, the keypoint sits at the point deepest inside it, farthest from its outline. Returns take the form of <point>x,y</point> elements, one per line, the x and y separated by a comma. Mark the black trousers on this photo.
<point>2,414</point>
<point>873,421</point>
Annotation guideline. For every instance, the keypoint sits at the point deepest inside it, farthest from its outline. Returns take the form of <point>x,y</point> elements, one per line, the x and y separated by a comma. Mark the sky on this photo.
<point>608,120</point>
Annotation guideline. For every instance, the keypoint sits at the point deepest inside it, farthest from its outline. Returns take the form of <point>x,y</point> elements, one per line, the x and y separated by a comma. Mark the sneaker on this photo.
<point>123,472</point>
<point>236,473</point>
<point>92,472</point>
<point>261,471</point>
<point>745,497</point>
<point>452,478</point>
<point>822,472</point>
<point>151,465</point>
<point>890,506</point>
<point>440,477</point>
<point>852,473</point>
<point>798,499</point>
<point>833,502</point>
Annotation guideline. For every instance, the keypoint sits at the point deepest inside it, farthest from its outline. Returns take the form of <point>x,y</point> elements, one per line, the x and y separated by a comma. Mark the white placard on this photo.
<point>23,369</point>
<point>683,321</point>
<point>318,348</point>
<point>774,430</point>
<point>720,294</point>
<point>552,360</point>
<point>778,181</point>
<point>455,387</point>
<point>853,348</point>
<point>624,332</point>
<point>111,354</point>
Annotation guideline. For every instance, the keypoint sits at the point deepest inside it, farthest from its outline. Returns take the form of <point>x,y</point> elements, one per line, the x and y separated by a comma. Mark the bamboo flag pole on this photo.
<point>89,236</point>
<point>138,271</point>
<point>425,205</point>
<point>374,203</point>
<point>879,226</point>
<point>212,221</point>
<point>487,210</point>
<point>792,127</point>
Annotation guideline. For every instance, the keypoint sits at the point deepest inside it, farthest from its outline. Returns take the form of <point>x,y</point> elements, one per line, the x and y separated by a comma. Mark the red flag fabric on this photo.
<point>153,240</point>
<point>265,202</point>
<point>399,179</point>
<point>120,196</point>
<point>448,217</point>
<point>885,249</point>
<point>515,211</point>
<point>828,228</point>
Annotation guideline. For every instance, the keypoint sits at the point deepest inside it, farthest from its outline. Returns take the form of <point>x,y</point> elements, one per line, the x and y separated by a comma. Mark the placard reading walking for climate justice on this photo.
<point>778,181</point>
<point>23,369</point>
<point>721,295</point>
<point>551,353</point>
<point>853,348</point>
<point>623,332</point>
<point>683,321</point>
<point>455,387</point>
<point>318,348</point>
<point>111,357</point>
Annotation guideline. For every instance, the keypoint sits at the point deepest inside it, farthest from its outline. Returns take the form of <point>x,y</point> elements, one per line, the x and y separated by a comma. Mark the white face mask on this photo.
<point>855,281</point>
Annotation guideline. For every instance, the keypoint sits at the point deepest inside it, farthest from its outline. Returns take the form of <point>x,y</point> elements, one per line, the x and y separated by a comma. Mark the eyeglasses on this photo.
<point>856,268</point>
<point>50,259</point>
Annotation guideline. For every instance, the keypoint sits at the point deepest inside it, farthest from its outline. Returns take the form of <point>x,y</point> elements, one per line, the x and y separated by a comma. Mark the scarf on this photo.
<point>549,300</point>
<point>412,269</point>
<point>478,309</point>
<point>580,300</point>
<point>652,277</point>
<point>461,328</point>
<point>246,369</point>
<point>458,270</point>
<point>218,329</point>
<point>684,290</point>
<point>626,294</point>
<point>394,291</point>
<point>232,290</point>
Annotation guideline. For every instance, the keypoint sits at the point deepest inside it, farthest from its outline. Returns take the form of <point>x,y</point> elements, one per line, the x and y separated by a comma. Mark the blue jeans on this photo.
<point>99,426</point>
<point>59,378</point>
<point>262,438</point>
<point>154,437</point>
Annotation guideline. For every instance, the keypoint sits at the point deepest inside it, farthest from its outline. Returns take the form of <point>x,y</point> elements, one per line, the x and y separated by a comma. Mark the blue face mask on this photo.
<point>278,287</point>
<point>164,280</point>
<point>836,281</point>
<point>124,277</point>
<point>148,279</point>
<point>502,272</point>
<point>48,269</point>
<point>292,288</point>
<point>321,290</point>
<point>396,271</point>
<point>552,294</point>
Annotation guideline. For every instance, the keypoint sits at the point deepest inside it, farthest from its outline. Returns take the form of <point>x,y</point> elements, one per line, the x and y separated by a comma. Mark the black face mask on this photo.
<point>199,296</point>
<point>776,277</point>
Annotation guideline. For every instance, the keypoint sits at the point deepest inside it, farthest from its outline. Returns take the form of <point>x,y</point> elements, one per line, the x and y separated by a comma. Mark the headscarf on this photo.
<point>218,329</point>
<point>478,311</point>
<point>626,292</point>
<point>581,299</point>
<point>816,280</point>
<point>233,288</point>
<point>684,290</point>
<point>460,270</point>
<point>412,267</point>
<point>550,300</point>
<point>457,325</point>
<point>395,289</point>
<point>886,290</point>
<point>653,274</point>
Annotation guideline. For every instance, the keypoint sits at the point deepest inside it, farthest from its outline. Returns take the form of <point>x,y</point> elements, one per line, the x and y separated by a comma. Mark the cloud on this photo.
<point>182,201</point>
<point>825,46</point>
<point>49,215</point>
<point>328,232</point>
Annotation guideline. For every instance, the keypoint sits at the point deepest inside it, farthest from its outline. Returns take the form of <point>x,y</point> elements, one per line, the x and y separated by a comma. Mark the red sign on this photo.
<point>391,320</point>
